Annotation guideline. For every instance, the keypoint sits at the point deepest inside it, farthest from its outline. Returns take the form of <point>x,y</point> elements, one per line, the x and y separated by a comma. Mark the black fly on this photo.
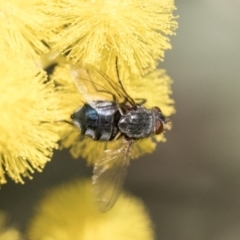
<point>110,114</point>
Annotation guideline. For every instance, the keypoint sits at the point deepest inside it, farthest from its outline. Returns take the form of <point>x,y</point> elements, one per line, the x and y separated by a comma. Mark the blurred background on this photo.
<point>191,184</point>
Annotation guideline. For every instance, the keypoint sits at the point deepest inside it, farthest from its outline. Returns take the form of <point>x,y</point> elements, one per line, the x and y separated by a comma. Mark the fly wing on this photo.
<point>95,85</point>
<point>109,175</point>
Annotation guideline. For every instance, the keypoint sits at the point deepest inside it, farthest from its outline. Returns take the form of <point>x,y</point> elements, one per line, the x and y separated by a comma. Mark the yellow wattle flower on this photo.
<point>68,212</point>
<point>22,28</point>
<point>30,106</point>
<point>158,83</point>
<point>97,31</point>
<point>7,232</point>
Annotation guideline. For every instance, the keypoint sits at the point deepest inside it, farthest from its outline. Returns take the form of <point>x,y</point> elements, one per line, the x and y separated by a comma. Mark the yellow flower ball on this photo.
<point>99,30</point>
<point>23,27</point>
<point>7,232</point>
<point>30,109</point>
<point>68,212</point>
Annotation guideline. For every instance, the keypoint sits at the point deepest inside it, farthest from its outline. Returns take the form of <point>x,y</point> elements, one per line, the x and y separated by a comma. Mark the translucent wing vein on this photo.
<point>94,85</point>
<point>109,175</point>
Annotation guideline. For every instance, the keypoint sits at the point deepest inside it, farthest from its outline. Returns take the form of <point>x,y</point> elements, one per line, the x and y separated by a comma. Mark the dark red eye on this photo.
<point>158,127</point>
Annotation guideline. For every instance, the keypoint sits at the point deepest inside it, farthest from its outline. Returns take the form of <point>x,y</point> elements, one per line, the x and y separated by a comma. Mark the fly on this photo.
<point>108,114</point>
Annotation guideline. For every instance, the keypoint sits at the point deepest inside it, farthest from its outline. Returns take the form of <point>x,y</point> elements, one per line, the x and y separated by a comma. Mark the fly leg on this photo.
<point>119,134</point>
<point>59,121</point>
<point>141,101</point>
<point>105,146</point>
<point>120,109</point>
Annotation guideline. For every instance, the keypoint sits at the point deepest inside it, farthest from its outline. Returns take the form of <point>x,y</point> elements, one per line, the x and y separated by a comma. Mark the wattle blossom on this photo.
<point>69,212</point>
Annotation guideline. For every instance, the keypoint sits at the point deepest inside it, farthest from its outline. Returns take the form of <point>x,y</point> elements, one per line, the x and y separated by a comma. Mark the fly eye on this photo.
<point>158,127</point>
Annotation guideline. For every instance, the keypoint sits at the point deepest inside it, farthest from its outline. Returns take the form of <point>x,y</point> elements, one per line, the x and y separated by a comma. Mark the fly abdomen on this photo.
<point>136,123</point>
<point>98,120</point>
<point>107,122</point>
<point>86,118</point>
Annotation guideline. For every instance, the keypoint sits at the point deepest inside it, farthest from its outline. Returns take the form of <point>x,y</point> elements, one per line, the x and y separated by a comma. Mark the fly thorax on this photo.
<point>137,123</point>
